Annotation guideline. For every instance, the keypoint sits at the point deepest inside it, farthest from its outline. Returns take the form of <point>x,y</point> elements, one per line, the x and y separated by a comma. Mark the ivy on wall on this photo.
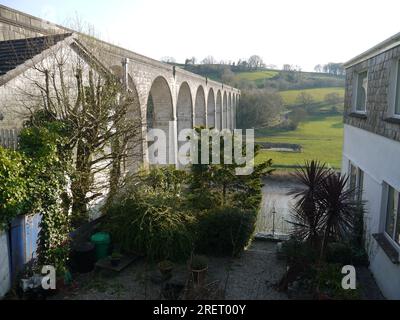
<point>33,180</point>
<point>13,185</point>
<point>43,142</point>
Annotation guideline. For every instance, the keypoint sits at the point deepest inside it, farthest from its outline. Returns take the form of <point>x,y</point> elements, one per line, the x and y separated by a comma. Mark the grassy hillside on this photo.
<point>320,132</point>
<point>318,94</point>
<point>255,75</point>
<point>320,137</point>
<point>264,78</point>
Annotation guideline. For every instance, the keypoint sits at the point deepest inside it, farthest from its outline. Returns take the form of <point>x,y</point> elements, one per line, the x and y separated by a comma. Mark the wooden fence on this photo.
<point>9,138</point>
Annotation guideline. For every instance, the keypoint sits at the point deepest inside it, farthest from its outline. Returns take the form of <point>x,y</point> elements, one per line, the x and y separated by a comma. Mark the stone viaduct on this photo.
<point>178,96</point>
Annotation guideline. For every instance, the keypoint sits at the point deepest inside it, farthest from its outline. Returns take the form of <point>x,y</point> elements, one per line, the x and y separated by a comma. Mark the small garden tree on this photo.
<point>104,128</point>
<point>325,208</point>
<point>325,218</point>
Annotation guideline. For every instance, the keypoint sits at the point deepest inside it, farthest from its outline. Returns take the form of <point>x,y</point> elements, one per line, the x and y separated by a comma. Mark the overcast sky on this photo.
<point>299,32</point>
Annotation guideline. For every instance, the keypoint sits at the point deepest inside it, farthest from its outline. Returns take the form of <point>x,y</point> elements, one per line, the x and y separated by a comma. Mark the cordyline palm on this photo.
<point>339,207</point>
<point>306,214</point>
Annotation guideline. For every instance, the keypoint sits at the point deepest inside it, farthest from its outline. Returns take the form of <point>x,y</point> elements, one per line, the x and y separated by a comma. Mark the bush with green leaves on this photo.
<point>33,180</point>
<point>225,231</point>
<point>216,185</point>
<point>346,254</point>
<point>13,185</point>
<point>150,218</point>
<point>326,209</point>
<point>299,254</point>
<point>42,143</point>
<point>327,278</point>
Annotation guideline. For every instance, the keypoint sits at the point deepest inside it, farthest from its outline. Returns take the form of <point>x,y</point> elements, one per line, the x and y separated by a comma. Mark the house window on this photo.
<point>392,225</point>
<point>356,181</point>
<point>361,91</point>
<point>397,98</point>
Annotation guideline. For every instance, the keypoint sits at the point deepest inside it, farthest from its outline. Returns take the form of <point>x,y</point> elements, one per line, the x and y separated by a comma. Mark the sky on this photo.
<point>298,32</point>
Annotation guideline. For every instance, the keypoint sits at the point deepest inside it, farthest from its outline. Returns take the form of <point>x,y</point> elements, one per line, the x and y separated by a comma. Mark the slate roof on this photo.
<point>15,52</point>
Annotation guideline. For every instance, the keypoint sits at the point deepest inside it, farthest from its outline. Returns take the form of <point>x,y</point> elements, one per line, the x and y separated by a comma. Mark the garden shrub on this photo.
<point>43,145</point>
<point>219,185</point>
<point>339,252</point>
<point>13,185</point>
<point>345,253</point>
<point>152,223</point>
<point>32,180</point>
<point>299,253</point>
<point>328,279</point>
<point>225,231</point>
<point>360,257</point>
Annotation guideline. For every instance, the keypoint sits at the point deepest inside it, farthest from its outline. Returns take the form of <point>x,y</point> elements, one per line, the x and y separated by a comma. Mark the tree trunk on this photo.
<point>80,185</point>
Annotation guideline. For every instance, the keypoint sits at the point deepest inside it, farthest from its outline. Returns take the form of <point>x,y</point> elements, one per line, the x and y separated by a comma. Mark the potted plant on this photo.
<point>199,266</point>
<point>165,268</point>
<point>115,259</point>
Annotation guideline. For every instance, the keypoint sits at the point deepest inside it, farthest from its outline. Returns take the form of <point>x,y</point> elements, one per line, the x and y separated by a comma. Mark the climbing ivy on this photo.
<point>42,142</point>
<point>13,185</point>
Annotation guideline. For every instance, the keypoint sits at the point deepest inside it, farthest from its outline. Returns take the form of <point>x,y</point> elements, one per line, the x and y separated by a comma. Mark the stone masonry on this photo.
<point>376,119</point>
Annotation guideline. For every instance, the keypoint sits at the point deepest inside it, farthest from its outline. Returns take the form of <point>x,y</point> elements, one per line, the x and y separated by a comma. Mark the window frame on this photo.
<point>359,180</point>
<point>385,216</point>
<point>355,91</point>
<point>394,89</point>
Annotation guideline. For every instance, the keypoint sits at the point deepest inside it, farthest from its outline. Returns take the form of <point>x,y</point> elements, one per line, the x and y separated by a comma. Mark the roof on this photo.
<point>383,46</point>
<point>16,52</point>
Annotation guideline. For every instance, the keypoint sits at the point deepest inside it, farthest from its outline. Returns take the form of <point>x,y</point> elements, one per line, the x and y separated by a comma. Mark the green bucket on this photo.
<point>101,240</point>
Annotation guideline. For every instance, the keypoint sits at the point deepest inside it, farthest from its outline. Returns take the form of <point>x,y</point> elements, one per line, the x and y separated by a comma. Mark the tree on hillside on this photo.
<point>334,68</point>
<point>255,62</point>
<point>242,65</point>
<point>227,75</point>
<point>191,60</point>
<point>318,68</point>
<point>304,99</point>
<point>209,60</point>
<point>333,98</point>
<point>296,116</point>
<point>258,109</point>
<point>288,67</point>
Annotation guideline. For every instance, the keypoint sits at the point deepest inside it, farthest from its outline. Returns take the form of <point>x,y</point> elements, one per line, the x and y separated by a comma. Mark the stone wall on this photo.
<point>376,118</point>
<point>17,25</point>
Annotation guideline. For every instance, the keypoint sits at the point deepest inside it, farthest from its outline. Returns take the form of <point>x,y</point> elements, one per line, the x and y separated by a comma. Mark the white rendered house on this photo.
<point>371,154</point>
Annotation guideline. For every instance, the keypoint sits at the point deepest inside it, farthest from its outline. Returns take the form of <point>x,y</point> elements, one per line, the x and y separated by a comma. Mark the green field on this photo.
<point>255,75</point>
<point>320,137</point>
<point>289,97</point>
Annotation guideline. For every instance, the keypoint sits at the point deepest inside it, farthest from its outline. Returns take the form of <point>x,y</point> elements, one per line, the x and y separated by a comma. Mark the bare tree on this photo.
<point>209,60</point>
<point>191,60</point>
<point>318,68</point>
<point>333,98</point>
<point>288,67</point>
<point>72,86</point>
<point>304,99</point>
<point>227,75</point>
<point>255,62</point>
